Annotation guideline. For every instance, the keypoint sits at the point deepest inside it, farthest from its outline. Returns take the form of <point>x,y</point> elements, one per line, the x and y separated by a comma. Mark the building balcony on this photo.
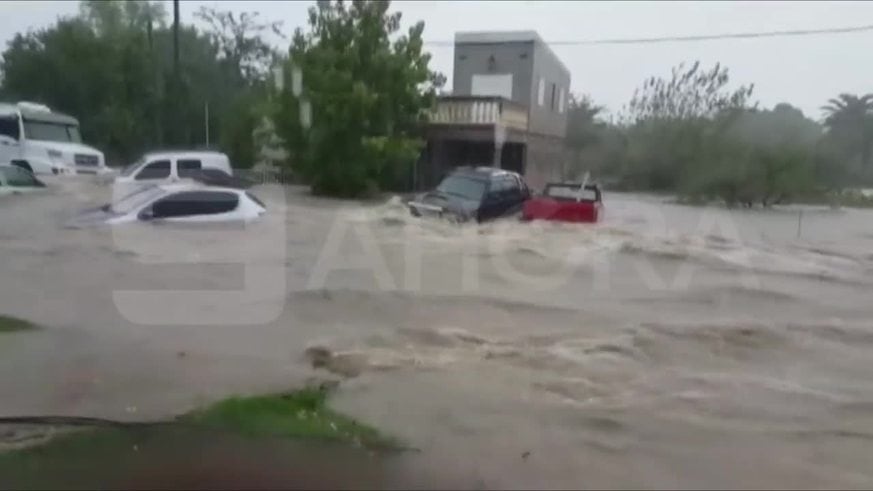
<point>479,111</point>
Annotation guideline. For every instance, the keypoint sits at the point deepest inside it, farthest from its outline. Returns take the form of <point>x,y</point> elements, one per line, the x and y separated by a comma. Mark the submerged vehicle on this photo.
<point>42,141</point>
<point>480,194</point>
<point>183,202</point>
<point>566,202</point>
<point>15,180</point>
<point>166,167</point>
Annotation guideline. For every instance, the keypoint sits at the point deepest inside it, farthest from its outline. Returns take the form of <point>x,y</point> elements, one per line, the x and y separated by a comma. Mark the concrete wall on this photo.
<point>515,58</point>
<point>545,119</point>
<point>528,62</point>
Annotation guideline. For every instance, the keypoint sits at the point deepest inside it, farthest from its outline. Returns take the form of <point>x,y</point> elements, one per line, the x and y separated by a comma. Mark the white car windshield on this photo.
<point>132,167</point>
<point>136,199</point>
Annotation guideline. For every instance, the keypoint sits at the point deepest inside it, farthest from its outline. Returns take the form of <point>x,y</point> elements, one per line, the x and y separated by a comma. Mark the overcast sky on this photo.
<point>804,71</point>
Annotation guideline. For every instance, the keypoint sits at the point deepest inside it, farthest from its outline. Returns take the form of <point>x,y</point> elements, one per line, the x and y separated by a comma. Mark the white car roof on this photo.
<point>194,186</point>
<point>185,153</point>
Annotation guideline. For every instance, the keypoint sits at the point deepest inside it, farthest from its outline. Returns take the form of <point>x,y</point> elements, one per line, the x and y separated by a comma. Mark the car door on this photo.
<point>195,206</point>
<point>506,195</point>
<point>492,201</point>
<point>514,194</point>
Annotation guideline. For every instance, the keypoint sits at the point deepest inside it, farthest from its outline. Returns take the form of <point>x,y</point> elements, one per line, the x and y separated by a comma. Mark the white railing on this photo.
<point>461,110</point>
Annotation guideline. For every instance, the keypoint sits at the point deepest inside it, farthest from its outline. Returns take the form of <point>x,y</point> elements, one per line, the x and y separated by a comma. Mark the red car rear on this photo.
<point>565,202</point>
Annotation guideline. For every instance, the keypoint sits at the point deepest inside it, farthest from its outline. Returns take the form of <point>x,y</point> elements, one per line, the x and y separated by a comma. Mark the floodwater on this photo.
<point>668,346</point>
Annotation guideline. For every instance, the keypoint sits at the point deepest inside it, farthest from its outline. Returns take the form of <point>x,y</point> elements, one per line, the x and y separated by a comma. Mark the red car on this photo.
<point>565,202</point>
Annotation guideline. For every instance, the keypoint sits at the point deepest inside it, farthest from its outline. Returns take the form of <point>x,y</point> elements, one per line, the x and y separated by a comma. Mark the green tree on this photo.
<point>245,57</point>
<point>668,123</point>
<point>582,122</point>
<point>689,93</point>
<point>108,18</point>
<point>692,135</point>
<point>754,156</point>
<point>240,42</point>
<point>849,119</point>
<point>116,63</point>
<point>595,145</point>
<point>367,96</point>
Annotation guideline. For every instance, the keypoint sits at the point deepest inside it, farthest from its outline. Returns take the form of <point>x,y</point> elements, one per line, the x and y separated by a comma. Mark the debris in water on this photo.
<point>347,365</point>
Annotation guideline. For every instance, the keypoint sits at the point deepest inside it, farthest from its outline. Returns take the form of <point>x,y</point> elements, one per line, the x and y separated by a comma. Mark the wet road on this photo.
<point>669,346</point>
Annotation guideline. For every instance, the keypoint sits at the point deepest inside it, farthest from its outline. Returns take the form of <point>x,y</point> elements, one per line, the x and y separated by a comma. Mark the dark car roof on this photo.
<point>483,172</point>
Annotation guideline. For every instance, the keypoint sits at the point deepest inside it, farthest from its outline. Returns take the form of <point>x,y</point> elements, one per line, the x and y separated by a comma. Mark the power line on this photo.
<point>703,37</point>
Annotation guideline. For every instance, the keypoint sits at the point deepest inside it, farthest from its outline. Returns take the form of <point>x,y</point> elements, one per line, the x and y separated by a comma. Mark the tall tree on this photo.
<point>582,121</point>
<point>240,41</point>
<point>689,93</point>
<point>113,17</point>
<point>849,119</point>
<point>595,145</point>
<point>368,97</point>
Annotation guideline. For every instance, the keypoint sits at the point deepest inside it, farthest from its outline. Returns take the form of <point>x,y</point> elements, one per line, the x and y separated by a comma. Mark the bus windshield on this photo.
<point>56,132</point>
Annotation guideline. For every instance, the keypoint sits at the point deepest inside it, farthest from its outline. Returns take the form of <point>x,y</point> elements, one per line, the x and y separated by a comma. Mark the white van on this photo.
<point>41,141</point>
<point>165,167</point>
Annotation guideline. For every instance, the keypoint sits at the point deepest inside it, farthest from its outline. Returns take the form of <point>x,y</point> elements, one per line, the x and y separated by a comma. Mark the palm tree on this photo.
<point>850,117</point>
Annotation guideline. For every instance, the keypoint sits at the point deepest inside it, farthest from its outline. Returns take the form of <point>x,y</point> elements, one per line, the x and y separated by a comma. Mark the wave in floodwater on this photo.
<point>628,234</point>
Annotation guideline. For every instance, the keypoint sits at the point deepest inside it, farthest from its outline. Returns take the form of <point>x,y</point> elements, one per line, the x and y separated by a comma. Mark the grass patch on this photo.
<point>104,457</point>
<point>14,324</point>
<point>299,414</point>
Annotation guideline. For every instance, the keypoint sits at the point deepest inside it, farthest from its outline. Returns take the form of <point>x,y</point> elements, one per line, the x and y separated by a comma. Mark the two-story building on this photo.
<point>508,109</point>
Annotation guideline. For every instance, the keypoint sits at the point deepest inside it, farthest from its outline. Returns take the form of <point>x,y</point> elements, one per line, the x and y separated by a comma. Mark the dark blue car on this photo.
<point>480,193</point>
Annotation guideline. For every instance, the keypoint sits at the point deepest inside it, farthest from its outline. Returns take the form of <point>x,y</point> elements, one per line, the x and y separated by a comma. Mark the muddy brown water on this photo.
<point>669,346</point>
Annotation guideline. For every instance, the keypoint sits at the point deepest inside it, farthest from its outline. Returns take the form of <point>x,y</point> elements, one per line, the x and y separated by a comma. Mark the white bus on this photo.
<point>37,139</point>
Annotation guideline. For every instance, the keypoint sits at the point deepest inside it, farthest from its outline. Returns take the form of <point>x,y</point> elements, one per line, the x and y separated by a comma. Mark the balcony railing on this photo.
<point>476,110</point>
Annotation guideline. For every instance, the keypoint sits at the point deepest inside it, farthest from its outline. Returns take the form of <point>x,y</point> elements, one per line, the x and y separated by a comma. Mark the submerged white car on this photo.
<point>186,202</point>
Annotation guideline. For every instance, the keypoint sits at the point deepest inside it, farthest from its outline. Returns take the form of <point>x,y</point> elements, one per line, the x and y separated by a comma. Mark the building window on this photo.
<point>541,92</point>
<point>499,84</point>
<point>561,101</point>
<point>553,99</point>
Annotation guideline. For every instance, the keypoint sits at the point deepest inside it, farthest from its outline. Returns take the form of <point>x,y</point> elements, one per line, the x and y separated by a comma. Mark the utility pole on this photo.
<point>176,39</point>
<point>156,95</point>
<point>206,121</point>
<point>177,85</point>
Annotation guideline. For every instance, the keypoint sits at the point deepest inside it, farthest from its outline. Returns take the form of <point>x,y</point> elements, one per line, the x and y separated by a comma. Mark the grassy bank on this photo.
<point>268,424</point>
<point>14,324</point>
<point>300,414</point>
